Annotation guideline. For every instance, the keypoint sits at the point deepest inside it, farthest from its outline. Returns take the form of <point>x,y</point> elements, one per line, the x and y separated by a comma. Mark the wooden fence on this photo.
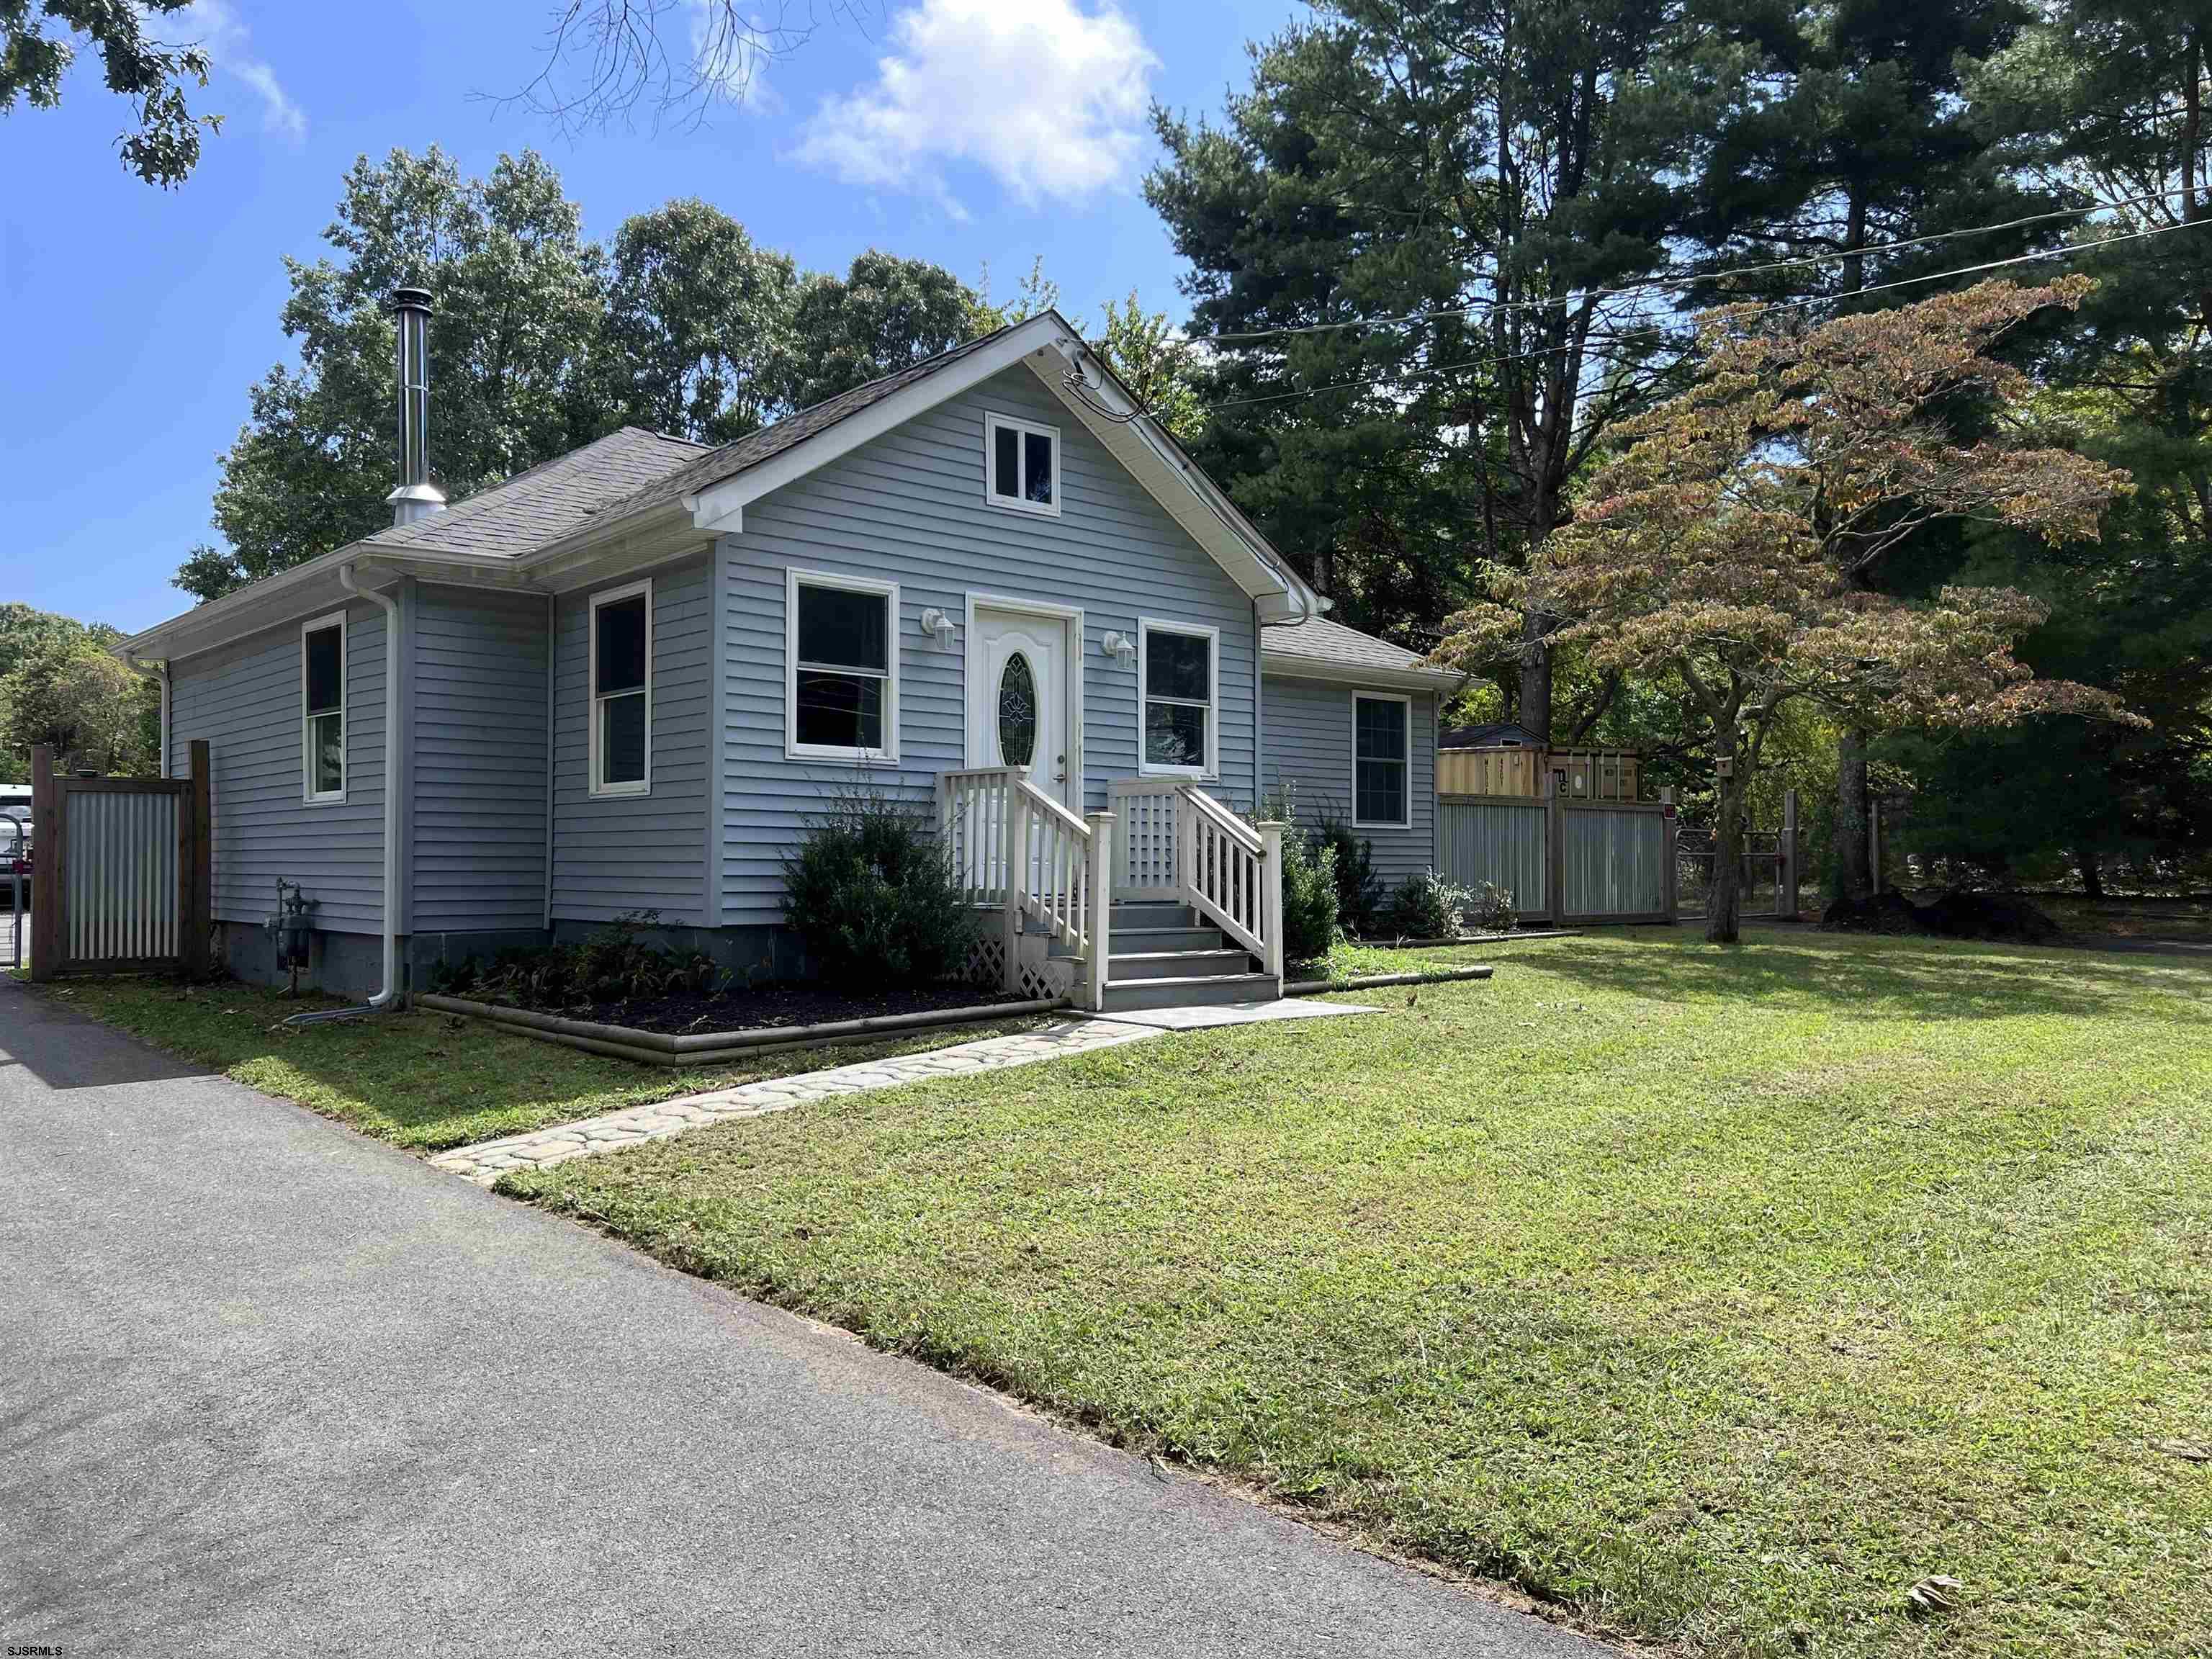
<point>1566,862</point>
<point>120,872</point>
<point>1593,774</point>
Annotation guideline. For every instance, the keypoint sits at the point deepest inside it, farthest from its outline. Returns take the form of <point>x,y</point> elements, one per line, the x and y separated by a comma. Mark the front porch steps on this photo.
<point>1164,956</point>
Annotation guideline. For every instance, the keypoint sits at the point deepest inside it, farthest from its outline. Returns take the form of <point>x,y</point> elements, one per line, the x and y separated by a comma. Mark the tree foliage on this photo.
<point>1719,544</point>
<point>540,340</point>
<point>40,39</point>
<point>61,684</point>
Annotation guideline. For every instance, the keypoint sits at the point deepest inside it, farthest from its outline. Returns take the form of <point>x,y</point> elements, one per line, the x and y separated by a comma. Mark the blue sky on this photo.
<point>958,130</point>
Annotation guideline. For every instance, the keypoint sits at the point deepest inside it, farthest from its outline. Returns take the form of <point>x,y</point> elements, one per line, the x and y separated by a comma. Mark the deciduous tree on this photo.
<point>39,41</point>
<point>1716,546</point>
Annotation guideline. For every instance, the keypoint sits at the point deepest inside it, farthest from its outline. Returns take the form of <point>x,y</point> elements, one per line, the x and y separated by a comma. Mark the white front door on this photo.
<point>1018,703</point>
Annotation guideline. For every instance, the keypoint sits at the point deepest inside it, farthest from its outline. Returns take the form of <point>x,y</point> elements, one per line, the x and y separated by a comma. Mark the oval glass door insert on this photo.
<point>1016,712</point>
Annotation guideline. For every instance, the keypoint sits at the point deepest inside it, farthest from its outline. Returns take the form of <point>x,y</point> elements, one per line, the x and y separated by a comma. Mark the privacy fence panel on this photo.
<point>1502,842</point>
<point>120,870</point>
<point>1613,862</point>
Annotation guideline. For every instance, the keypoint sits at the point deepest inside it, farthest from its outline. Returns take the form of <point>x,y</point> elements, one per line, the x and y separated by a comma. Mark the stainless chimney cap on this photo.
<point>416,496</point>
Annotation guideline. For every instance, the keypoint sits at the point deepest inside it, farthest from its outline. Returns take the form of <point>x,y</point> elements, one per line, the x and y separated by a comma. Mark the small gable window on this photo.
<point>621,690</point>
<point>1179,670</point>
<point>1382,759</point>
<point>322,709</point>
<point>1022,465</point>
<point>840,642</point>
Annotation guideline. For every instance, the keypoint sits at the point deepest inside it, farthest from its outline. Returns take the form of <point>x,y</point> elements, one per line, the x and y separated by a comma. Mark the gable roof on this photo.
<point>559,523</point>
<point>1325,650</point>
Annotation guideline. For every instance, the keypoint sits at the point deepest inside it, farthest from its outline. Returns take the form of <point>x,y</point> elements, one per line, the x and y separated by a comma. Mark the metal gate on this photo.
<point>1766,866</point>
<point>1564,862</point>
<point>12,843</point>
<point>120,869</point>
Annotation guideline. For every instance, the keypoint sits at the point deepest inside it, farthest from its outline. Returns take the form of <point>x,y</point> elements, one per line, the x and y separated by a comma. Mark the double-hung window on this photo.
<point>621,690</point>
<point>1021,464</point>
<point>1180,670</point>
<point>322,709</point>
<point>840,651</point>
<point>1382,760</point>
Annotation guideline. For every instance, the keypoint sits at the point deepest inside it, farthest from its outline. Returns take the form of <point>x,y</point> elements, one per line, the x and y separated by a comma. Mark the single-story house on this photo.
<point>625,679</point>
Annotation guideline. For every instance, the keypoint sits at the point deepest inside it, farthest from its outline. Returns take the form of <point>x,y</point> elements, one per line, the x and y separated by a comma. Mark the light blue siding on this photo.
<point>244,699</point>
<point>909,508</point>
<point>1307,727</point>
<point>478,834</point>
<point>613,853</point>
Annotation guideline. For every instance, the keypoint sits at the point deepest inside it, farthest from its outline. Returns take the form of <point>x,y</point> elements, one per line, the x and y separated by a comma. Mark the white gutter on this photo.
<point>387,997</point>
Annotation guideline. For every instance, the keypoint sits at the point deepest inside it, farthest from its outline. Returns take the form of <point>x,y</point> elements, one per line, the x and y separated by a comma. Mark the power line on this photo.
<point>1758,308</point>
<point>1487,307</point>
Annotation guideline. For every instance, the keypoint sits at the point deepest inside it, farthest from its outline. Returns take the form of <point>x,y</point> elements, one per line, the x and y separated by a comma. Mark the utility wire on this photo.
<point>1760,307</point>
<point>1486,308</point>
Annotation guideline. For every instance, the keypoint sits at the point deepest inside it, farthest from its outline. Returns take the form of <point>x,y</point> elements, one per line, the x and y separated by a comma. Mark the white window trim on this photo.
<point>1405,712</point>
<point>329,797</point>
<point>1019,502</point>
<point>1146,627</point>
<point>615,596</point>
<point>793,579</point>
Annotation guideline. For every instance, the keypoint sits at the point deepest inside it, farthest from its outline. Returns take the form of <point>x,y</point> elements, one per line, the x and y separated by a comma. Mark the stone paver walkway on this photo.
<point>488,1160</point>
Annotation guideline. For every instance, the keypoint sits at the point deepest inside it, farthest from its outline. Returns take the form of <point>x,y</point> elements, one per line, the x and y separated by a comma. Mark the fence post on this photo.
<point>1271,899</point>
<point>1100,894</point>
<point>1671,866</point>
<point>196,879</point>
<point>45,866</point>
<point>1786,900</point>
<point>1555,847</point>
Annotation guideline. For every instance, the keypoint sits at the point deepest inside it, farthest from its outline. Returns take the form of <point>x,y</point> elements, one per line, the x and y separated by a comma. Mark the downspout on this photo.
<point>388,997</point>
<point>552,651</point>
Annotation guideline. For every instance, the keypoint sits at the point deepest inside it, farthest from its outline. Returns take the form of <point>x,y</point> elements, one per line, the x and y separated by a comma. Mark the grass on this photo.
<point>427,1080</point>
<point>2171,919</point>
<point>1716,1296</point>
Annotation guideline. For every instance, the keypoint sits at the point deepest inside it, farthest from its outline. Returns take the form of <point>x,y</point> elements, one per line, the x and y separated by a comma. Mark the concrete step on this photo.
<point>1150,941</point>
<point>1149,913</point>
<point>1207,991</point>
<point>1175,964</point>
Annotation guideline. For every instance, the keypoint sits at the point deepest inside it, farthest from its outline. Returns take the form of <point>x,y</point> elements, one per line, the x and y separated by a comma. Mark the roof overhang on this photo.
<point>1277,665</point>
<point>1049,348</point>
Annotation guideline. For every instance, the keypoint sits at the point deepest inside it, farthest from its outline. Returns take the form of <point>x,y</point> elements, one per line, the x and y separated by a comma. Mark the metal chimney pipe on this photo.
<point>415,497</point>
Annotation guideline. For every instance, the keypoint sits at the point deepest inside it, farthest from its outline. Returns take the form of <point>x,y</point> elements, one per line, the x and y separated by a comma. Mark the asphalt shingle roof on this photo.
<point>522,514</point>
<point>1322,640</point>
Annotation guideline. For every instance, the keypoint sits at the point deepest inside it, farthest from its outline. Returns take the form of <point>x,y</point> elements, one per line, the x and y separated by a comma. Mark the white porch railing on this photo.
<point>1182,845</point>
<point>1019,851</point>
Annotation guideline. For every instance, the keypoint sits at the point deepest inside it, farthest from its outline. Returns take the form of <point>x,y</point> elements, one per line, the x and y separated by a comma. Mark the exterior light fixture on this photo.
<point>1120,647</point>
<point>938,627</point>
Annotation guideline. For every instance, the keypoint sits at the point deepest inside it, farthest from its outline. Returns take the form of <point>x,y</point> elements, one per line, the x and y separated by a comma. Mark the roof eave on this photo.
<point>1275,665</point>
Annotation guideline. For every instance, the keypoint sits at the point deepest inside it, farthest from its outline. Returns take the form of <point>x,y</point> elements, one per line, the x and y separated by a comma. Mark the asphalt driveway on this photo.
<point>272,1388</point>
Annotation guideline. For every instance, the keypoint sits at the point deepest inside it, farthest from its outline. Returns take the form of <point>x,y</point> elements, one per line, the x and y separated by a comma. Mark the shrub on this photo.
<point>614,964</point>
<point>1490,909</point>
<point>1358,888</point>
<point>1427,906</point>
<point>1309,885</point>
<point>873,897</point>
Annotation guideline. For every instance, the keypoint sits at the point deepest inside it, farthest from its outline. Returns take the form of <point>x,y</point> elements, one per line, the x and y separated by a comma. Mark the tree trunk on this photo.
<point>2093,877</point>
<point>1854,807</point>
<point>1724,908</point>
<point>1535,716</point>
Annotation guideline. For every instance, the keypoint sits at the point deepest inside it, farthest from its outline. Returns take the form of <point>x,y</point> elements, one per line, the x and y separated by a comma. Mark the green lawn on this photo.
<point>1717,1296</point>
<point>427,1081</point>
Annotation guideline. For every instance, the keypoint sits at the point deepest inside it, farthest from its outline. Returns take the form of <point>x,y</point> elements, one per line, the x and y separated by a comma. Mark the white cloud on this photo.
<point>218,29</point>
<point>1045,95</point>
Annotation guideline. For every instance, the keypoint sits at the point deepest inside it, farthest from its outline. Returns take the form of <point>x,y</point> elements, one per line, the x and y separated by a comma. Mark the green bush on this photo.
<point>1427,906</point>
<point>1358,888</point>
<point>1310,885</point>
<point>614,964</point>
<point>873,898</point>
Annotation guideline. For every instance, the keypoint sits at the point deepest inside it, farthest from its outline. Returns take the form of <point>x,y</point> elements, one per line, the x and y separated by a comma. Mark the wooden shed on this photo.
<point>1503,759</point>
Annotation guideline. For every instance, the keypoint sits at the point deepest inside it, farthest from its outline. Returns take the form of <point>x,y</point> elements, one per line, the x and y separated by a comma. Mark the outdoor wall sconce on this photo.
<point>938,627</point>
<point>1120,647</point>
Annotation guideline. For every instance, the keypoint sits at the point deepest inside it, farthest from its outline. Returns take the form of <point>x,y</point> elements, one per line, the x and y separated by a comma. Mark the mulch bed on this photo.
<point>764,1006</point>
<point>1956,914</point>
